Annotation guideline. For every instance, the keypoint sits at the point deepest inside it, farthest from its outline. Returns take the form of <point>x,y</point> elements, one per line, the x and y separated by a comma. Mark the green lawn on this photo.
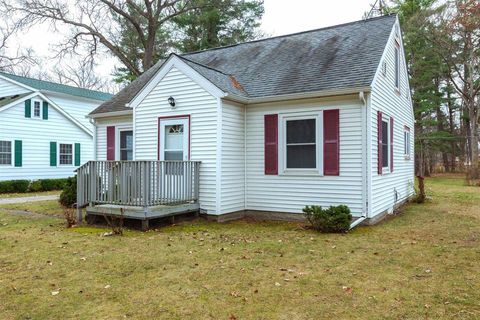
<point>424,264</point>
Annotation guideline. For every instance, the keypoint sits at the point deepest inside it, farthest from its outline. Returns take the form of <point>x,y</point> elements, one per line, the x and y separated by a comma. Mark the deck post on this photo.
<point>79,215</point>
<point>145,225</point>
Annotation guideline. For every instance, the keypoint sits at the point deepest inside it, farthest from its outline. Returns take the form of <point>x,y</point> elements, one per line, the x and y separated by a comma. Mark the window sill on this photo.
<point>300,173</point>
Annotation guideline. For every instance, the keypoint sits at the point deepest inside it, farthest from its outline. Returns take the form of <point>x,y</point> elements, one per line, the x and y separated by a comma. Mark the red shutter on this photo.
<point>271,143</point>
<point>391,144</point>
<point>379,140</point>
<point>331,143</point>
<point>111,143</point>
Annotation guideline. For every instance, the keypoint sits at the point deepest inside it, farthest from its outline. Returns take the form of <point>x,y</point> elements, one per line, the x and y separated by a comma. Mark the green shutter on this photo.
<point>28,108</point>
<point>45,110</point>
<point>77,154</point>
<point>18,153</point>
<point>53,154</point>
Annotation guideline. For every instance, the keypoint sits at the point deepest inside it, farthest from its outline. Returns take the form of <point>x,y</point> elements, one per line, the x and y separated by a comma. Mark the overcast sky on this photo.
<point>281,17</point>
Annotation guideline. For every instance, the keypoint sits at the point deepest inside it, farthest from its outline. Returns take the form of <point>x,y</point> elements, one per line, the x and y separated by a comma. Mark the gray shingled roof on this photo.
<point>333,58</point>
<point>60,88</point>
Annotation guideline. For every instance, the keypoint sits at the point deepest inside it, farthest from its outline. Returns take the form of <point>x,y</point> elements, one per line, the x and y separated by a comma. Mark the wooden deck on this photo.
<point>140,213</point>
<point>141,190</point>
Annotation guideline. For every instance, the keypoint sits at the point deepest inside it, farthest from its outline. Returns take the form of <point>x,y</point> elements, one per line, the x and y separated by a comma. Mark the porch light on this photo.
<point>171,101</point>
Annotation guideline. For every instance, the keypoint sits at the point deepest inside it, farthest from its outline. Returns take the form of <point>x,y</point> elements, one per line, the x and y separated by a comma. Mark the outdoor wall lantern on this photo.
<point>171,101</point>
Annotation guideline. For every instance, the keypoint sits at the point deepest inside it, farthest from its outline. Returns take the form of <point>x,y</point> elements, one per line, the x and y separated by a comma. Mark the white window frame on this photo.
<point>396,73</point>
<point>59,153</point>
<point>12,151</point>
<point>282,147</point>
<point>122,127</point>
<point>39,109</point>
<point>407,143</point>
<point>118,144</point>
<point>186,135</point>
<point>386,169</point>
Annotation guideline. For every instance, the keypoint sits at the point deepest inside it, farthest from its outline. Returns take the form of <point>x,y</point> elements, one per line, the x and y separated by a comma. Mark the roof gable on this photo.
<point>323,60</point>
<point>17,99</point>
<point>41,85</point>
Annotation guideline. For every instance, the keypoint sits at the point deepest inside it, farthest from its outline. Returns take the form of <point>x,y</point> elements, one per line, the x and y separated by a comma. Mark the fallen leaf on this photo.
<point>277,284</point>
<point>54,293</point>
<point>107,286</point>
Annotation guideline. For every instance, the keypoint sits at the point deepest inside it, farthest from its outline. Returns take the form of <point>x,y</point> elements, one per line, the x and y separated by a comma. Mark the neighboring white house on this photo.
<point>322,117</point>
<point>44,131</point>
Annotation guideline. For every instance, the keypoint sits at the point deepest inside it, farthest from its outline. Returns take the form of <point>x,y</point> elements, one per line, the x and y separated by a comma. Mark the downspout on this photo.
<point>361,96</point>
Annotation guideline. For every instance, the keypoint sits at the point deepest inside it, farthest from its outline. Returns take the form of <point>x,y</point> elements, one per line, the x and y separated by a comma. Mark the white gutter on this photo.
<point>295,96</point>
<point>111,114</point>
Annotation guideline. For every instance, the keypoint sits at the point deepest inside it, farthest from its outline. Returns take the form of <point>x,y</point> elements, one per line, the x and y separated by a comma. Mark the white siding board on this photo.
<point>8,88</point>
<point>291,193</point>
<point>384,98</point>
<point>36,135</point>
<point>233,157</point>
<point>191,100</point>
<point>76,107</point>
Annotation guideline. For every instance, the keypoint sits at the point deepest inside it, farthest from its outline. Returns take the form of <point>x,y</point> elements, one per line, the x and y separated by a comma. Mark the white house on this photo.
<point>44,131</point>
<point>321,117</point>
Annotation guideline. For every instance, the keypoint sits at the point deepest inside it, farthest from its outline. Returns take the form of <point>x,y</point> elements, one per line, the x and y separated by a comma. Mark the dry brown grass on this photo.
<point>423,264</point>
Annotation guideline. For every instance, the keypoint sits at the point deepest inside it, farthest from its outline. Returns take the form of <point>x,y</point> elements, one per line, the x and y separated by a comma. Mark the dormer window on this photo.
<point>36,109</point>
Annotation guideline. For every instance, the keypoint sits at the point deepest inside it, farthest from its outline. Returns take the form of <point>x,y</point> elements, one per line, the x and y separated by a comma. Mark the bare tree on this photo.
<point>80,74</point>
<point>97,23</point>
<point>9,60</point>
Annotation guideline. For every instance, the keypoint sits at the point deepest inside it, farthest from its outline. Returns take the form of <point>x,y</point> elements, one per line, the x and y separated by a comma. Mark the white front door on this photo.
<point>174,136</point>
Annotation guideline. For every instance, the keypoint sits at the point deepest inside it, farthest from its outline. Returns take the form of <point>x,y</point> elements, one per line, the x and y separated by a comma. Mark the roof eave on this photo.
<point>297,96</point>
<point>110,114</point>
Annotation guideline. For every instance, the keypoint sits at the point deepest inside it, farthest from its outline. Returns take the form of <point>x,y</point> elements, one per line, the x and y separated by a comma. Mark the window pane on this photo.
<point>301,131</point>
<point>126,155</point>
<point>385,142</point>
<point>300,157</point>
<point>126,140</point>
<point>5,158</point>
<point>173,155</point>
<point>397,68</point>
<point>6,146</point>
<point>66,154</point>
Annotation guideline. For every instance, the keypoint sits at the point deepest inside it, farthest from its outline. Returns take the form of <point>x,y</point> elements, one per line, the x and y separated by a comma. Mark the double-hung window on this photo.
<point>66,154</point>
<point>385,143</point>
<point>5,153</point>
<point>126,145</point>
<point>301,144</point>
<point>406,141</point>
<point>36,109</point>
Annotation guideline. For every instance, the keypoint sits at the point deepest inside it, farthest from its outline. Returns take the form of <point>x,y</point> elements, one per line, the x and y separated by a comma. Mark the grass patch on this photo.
<point>48,207</point>
<point>29,194</point>
<point>421,265</point>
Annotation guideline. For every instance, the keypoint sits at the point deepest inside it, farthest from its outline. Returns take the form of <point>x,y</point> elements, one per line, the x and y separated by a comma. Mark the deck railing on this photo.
<point>138,183</point>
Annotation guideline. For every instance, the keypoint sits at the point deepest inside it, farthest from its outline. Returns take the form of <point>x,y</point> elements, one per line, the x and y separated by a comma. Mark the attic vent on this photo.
<point>384,68</point>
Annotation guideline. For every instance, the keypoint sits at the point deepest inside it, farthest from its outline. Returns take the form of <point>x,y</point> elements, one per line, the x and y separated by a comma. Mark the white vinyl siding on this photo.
<point>233,157</point>
<point>120,123</point>
<point>385,98</point>
<point>190,99</point>
<point>77,107</point>
<point>8,88</point>
<point>36,137</point>
<point>290,193</point>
